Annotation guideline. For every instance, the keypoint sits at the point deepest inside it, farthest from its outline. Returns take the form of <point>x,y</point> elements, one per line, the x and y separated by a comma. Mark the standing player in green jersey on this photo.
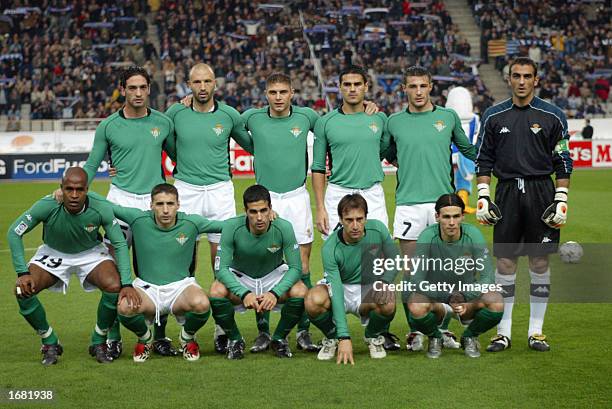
<point>258,267</point>
<point>279,134</point>
<point>164,245</point>
<point>354,142</point>
<point>454,273</point>
<point>348,256</point>
<point>72,243</point>
<point>133,137</point>
<point>420,145</point>
<point>200,147</point>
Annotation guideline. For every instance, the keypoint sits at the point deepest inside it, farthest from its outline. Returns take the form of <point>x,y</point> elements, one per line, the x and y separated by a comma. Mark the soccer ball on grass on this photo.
<point>571,252</point>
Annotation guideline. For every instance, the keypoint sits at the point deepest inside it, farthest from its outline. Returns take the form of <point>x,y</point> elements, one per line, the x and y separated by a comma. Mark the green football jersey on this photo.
<point>134,146</point>
<point>280,146</point>
<point>421,144</point>
<point>466,260</point>
<point>258,255</point>
<point>70,233</point>
<point>164,256</point>
<point>200,142</point>
<point>355,143</point>
<point>344,263</point>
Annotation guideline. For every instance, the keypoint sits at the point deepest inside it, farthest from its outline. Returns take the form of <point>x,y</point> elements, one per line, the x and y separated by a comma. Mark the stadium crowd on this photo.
<point>569,40</point>
<point>62,58</point>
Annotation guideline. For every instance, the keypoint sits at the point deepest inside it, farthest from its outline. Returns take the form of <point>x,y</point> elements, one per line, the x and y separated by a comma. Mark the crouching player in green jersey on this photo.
<point>348,261</point>
<point>163,243</point>
<point>452,266</point>
<point>72,243</point>
<point>258,267</point>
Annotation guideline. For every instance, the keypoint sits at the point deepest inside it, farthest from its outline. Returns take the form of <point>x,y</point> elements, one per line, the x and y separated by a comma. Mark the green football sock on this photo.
<point>107,314</point>
<point>428,325</point>
<point>223,313</point>
<point>114,333</point>
<point>409,318</point>
<point>304,324</point>
<point>159,331</point>
<point>263,321</point>
<point>34,313</point>
<point>377,324</point>
<point>195,320</point>
<point>326,324</point>
<point>291,313</point>
<point>136,324</point>
<point>483,321</point>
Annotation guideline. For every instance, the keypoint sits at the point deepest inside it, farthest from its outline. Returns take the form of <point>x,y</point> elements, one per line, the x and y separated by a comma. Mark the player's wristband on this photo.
<point>126,285</point>
<point>317,171</point>
<point>561,194</point>
<point>483,190</point>
<point>244,295</point>
<point>343,338</point>
<point>25,273</point>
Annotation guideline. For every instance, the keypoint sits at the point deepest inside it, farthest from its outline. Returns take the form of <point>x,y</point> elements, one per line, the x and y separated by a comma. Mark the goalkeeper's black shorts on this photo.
<point>521,230</point>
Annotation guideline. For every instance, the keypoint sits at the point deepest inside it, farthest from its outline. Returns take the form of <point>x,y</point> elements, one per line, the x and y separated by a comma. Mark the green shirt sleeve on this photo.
<point>240,133</point>
<point>319,153</point>
<point>205,225</point>
<point>22,225</point>
<point>461,141</point>
<point>291,251</point>
<point>385,139</point>
<point>226,251</point>
<point>100,146</point>
<point>170,142</point>
<point>122,255</point>
<point>127,214</point>
<point>332,275</point>
<point>313,117</point>
<point>390,153</point>
<point>480,251</point>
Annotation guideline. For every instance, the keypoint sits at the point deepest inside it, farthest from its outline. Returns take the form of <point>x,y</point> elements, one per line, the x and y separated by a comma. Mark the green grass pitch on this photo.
<point>575,373</point>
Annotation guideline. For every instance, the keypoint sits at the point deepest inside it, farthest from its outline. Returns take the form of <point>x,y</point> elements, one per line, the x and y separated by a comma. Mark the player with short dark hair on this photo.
<point>448,241</point>
<point>133,138</point>
<point>279,133</point>
<point>258,267</point>
<point>71,243</point>
<point>164,243</point>
<point>348,255</point>
<point>523,141</point>
<point>420,144</point>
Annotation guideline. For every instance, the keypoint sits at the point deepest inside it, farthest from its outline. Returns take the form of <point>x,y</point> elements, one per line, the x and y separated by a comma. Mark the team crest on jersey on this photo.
<point>295,131</point>
<point>182,238</point>
<point>90,228</point>
<point>535,128</point>
<point>274,248</point>
<point>155,132</point>
<point>218,129</point>
<point>373,127</point>
<point>439,125</point>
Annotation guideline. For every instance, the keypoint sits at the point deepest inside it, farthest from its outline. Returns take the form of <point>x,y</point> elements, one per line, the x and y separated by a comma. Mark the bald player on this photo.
<point>200,148</point>
<point>72,243</point>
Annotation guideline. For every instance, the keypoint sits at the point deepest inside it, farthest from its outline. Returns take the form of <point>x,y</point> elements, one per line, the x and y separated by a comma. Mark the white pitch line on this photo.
<point>26,249</point>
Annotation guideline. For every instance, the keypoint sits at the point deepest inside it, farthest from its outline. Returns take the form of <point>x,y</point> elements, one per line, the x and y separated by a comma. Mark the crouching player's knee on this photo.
<point>316,300</point>
<point>493,301</point>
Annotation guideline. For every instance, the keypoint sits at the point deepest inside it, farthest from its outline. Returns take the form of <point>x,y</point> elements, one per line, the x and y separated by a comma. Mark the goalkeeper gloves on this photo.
<point>555,215</point>
<point>487,212</point>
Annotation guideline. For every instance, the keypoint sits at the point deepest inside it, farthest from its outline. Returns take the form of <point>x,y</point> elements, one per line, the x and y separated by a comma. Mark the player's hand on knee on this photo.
<point>58,195</point>
<point>250,301</point>
<point>112,171</point>
<point>24,287</point>
<point>487,211</point>
<point>322,220</point>
<point>187,100</point>
<point>457,303</point>
<point>345,352</point>
<point>131,296</point>
<point>555,215</point>
<point>267,301</point>
<point>370,107</point>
